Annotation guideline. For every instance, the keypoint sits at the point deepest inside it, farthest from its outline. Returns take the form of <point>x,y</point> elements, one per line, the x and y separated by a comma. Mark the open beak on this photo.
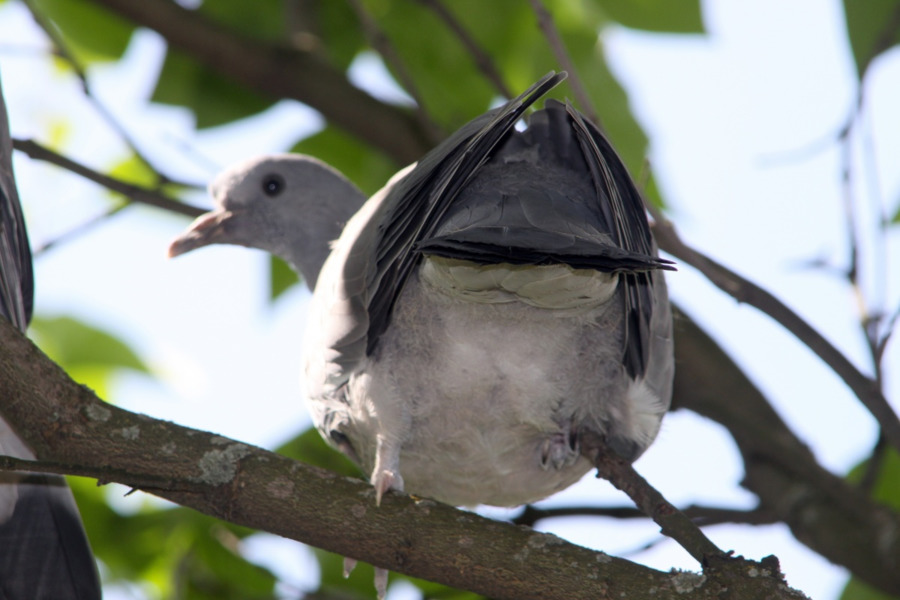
<point>207,229</point>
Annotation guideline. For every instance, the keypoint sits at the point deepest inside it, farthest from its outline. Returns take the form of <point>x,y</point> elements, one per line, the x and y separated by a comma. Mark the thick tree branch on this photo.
<point>65,423</point>
<point>282,72</point>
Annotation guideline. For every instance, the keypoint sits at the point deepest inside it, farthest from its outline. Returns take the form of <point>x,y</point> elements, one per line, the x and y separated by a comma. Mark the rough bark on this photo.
<point>75,432</point>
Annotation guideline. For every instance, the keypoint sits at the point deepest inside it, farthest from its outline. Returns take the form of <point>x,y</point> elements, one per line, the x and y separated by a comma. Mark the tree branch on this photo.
<point>702,515</point>
<point>672,521</point>
<point>748,292</point>
<point>282,72</point>
<point>548,27</point>
<point>132,192</point>
<point>379,40</point>
<point>479,56</point>
<point>65,422</point>
<point>823,511</point>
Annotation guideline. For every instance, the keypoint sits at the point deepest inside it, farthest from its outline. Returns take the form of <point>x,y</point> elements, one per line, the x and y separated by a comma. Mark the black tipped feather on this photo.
<point>555,193</point>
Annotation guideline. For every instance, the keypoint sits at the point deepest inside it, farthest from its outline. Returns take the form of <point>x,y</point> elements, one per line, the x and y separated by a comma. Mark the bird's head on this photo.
<point>290,205</point>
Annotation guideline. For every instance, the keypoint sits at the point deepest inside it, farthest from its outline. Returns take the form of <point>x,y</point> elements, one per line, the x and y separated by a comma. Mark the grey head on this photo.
<point>289,205</point>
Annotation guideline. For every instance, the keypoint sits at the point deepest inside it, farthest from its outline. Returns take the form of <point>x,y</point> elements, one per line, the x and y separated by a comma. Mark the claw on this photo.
<point>386,474</point>
<point>349,565</point>
<point>560,450</point>
<point>384,481</point>
<point>381,581</point>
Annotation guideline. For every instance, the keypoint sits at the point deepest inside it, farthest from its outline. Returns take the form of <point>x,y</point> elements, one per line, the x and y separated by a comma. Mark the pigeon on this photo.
<point>473,324</point>
<point>44,551</point>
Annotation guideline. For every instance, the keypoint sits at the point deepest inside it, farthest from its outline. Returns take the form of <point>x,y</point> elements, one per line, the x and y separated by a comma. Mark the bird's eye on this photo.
<point>273,185</point>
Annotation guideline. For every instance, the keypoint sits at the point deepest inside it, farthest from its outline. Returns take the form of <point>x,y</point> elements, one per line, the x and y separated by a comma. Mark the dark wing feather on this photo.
<point>421,198</point>
<point>44,552</point>
<point>622,203</point>
<point>16,275</point>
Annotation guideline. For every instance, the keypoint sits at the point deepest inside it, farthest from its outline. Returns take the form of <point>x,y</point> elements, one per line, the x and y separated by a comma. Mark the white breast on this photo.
<point>474,376</point>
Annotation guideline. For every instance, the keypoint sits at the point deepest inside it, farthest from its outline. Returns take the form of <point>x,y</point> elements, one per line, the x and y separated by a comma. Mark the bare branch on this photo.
<point>482,59</point>
<point>822,510</point>
<point>672,521</point>
<point>78,230</point>
<point>62,51</point>
<point>130,191</point>
<point>701,515</point>
<point>382,44</point>
<point>282,73</point>
<point>545,22</point>
<point>745,291</point>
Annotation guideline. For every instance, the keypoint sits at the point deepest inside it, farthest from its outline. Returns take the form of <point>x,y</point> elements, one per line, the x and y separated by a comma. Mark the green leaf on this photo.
<point>338,30</point>
<point>442,66</point>
<point>135,171</point>
<point>174,552</point>
<point>281,277</point>
<point>358,586</point>
<point>872,29</point>
<point>859,590</point>
<point>310,448</point>
<point>438,63</point>
<point>89,355</point>
<point>91,33</point>
<point>261,19</point>
<point>367,169</point>
<point>887,483</point>
<point>214,99</point>
<point>886,491</point>
<point>673,16</point>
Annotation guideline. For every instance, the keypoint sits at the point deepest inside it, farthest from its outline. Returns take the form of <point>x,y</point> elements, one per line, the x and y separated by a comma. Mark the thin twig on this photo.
<point>383,46</point>
<point>671,521</point>
<point>545,22</point>
<point>701,515</point>
<point>12,464</point>
<point>61,50</point>
<point>78,230</point>
<point>130,191</point>
<point>745,291</point>
<point>482,59</point>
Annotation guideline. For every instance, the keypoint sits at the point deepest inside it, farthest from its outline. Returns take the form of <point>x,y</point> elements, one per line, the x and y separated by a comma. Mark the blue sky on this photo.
<point>742,124</point>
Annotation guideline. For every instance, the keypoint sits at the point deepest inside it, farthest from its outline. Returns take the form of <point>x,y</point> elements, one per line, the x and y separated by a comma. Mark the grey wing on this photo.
<point>418,202</point>
<point>363,276</point>
<point>44,552</point>
<point>624,209</point>
<point>16,274</point>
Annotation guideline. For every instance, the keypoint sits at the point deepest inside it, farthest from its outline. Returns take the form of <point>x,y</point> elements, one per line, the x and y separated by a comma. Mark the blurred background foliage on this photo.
<point>178,553</point>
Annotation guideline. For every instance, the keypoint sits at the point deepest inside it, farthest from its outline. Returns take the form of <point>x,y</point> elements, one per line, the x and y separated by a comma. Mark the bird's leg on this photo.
<point>349,565</point>
<point>381,581</point>
<point>386,474</point>
<point>560,449</point>
<point>381,576</point>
